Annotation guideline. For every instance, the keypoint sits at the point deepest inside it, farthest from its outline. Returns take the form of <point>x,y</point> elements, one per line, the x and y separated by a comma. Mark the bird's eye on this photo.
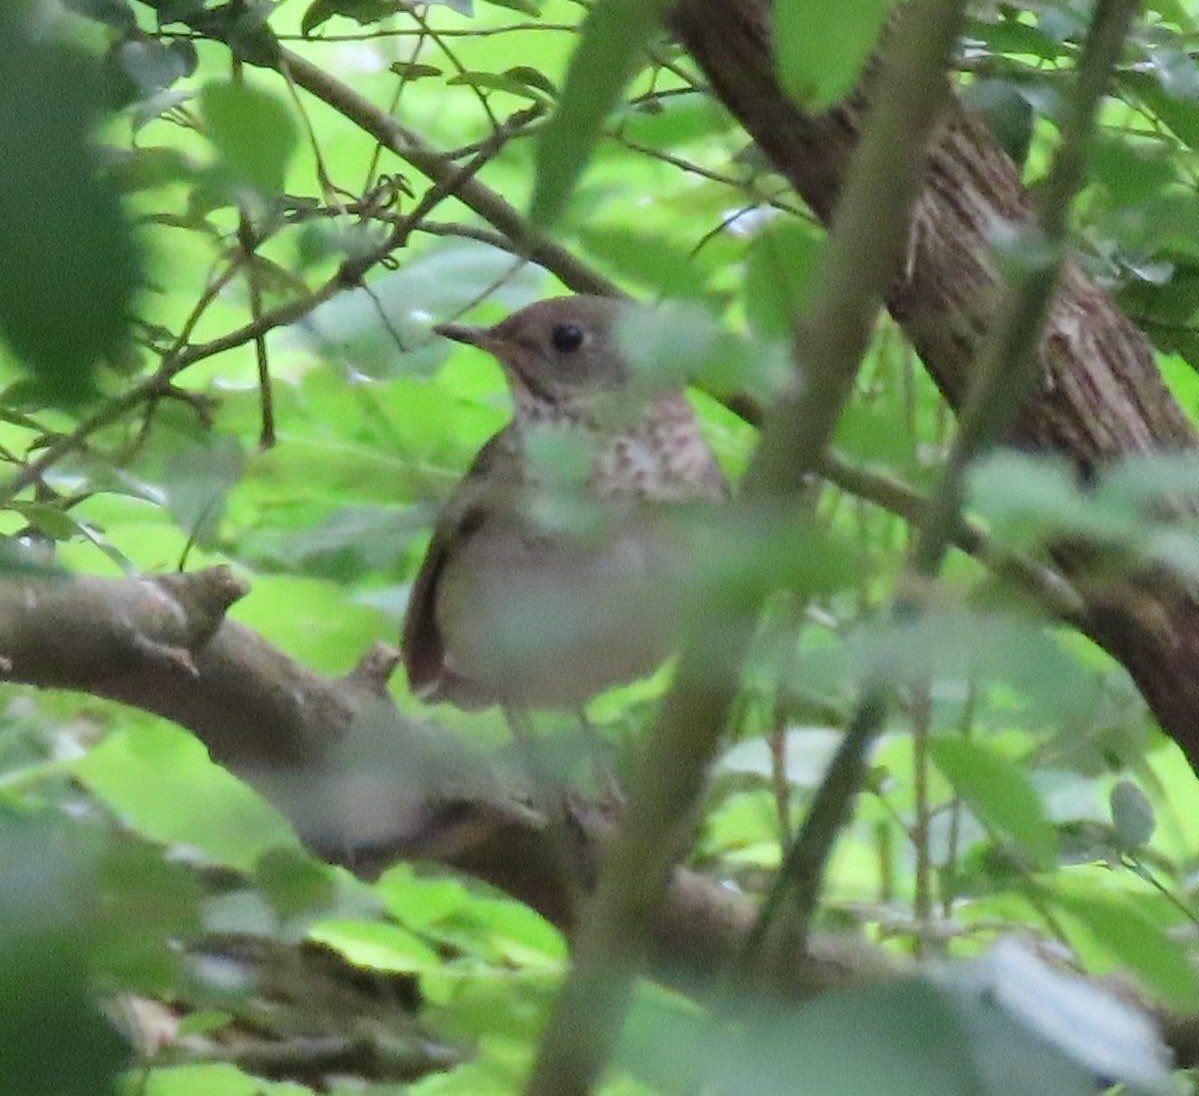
<point>567,337</point>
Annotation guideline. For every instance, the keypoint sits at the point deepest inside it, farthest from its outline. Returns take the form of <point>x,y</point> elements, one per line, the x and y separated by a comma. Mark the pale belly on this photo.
<point>537,624</point>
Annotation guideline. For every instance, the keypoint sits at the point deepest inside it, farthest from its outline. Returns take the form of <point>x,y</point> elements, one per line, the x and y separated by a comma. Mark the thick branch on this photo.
<point>363,784</point>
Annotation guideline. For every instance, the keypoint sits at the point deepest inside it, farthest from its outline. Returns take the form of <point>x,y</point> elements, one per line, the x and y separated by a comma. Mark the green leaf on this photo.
<point>527,7</point>
<point>1038,1028</point>
<point>197,482</point>
<point>413,70</point>
<point>499,81</point>
<point>70,263</point>
<point>897,1039</point>
<point>603,62</point>
<point>998,792</point>
<point>1116,923</point>
<point>363,12</point>
<point>646,258</point>
<point>253,132</point>
<point>782,259</point>
<point>1007,111</point>
<point>113,13</point>
<point>162,782</point>
<point>152,66</point>
<point>820,48</point>
<point>1132,815</point>
<point>376,946</point>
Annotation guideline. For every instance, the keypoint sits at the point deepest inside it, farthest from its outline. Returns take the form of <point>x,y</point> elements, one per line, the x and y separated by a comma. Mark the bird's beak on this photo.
<point>464,333</point>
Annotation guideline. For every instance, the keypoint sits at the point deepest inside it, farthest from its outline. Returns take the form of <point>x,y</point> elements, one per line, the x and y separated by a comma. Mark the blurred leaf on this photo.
<point>1072,1018</point>
<point>681,342</point>
<point>781,262</point>
<point>999,793</point>
<point>499,81</point>
<point>901,1038</point>
<point>646,259</point>
<point>957,646</point>
<point>421,904</point>
<point>162,782</point>
<point>211,1080</point>
<point>197,482</point>
<point>603,61</point>
<point>1132,815</point>
<point>149,168</point>
<point>1130,939</point>
<point>820,48</point>
<point>1008,114</point>
<point>1009,34</point>
<point>1130,172</point>
<point>56,1040</point>
<point>437,284</point>
<point>150,903</point>
<point>412,70</point>
<point>376,946</point>
<point>114,13</point>
<point>152,66</point>
<point>253,132</point>
<point>68,277</point>
<point>807,750</point>
<point>528,7</point>
<point>1181,114</point>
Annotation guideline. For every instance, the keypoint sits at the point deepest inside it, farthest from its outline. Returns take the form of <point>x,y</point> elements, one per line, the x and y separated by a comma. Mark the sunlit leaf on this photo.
<point>376,946</point>
<point>162,782</point>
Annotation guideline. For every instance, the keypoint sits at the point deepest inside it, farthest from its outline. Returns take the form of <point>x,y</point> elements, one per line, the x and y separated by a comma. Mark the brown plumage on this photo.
<point>555,569</point>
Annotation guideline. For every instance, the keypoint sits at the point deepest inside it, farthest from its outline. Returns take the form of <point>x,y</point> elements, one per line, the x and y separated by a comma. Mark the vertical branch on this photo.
<point>1005,376</point>
<point>862,256</point>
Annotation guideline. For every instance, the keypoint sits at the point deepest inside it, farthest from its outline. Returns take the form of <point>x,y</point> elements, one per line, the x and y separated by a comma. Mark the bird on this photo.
<point>555,570</point>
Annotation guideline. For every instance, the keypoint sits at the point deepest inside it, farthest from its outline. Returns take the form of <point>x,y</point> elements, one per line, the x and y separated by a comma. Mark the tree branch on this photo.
<point>1099,396</point>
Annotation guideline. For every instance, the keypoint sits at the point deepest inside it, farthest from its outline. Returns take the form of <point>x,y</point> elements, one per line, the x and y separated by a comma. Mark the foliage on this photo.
<point>194,375</point>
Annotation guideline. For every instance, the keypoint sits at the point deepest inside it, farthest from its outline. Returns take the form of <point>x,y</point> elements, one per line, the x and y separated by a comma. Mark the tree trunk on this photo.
<point>1100,395</point>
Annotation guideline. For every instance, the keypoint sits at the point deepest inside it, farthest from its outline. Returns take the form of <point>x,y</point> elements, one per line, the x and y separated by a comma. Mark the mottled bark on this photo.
<point>1100,394</point>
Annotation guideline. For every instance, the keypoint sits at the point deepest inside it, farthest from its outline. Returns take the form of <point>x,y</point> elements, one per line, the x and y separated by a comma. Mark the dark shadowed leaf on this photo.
<point>363,12</point>
<point>71,265</point>
<point>1007,112</point>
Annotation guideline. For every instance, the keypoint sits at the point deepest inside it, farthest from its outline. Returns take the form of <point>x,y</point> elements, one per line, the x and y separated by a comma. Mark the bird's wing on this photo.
<point>421,644</point>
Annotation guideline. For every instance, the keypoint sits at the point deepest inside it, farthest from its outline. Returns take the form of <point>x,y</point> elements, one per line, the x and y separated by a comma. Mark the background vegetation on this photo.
<point>227,230</point>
